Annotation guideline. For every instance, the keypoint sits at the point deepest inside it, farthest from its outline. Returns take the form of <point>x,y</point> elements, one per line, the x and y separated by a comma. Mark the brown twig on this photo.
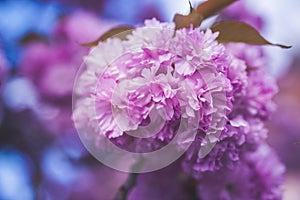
<point>130,182</point>
<point>124,190</point>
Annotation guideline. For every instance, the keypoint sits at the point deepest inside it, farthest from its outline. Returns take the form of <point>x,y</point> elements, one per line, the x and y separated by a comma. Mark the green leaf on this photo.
<point>212,7</point>
<point>233,31</point>
<point>117,32</point>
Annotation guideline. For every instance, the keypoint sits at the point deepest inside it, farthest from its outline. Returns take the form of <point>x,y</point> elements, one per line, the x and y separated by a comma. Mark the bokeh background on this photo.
<point>41,155</point>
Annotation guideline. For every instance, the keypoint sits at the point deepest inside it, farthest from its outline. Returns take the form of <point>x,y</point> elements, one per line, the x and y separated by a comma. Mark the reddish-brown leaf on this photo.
<point>182,21</point>
<point>203,11</point>
<point>119,32</point>
<point>250,69</point>
<point>233,31</point>
<point>33,37</point>
<point>212,7</point>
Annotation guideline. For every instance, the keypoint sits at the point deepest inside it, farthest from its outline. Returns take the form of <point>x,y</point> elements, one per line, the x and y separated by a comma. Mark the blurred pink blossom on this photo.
<point>52,66</point>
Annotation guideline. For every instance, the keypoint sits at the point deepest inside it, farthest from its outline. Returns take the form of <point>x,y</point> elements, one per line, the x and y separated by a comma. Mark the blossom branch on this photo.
<point>124,190</point>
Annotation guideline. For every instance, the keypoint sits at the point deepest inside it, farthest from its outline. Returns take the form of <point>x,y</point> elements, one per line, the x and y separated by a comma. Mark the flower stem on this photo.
<point>125,189</point>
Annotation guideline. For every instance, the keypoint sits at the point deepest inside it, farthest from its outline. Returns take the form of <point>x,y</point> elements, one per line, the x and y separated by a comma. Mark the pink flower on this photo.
<point>154,74</point>
<point>160,76</point>
<point>259,176</point>
<point>240,136</point>
<point>259,87</point>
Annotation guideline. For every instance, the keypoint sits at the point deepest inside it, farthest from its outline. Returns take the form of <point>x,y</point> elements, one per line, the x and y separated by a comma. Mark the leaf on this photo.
<point>203,11</point>
<point>117,32</point>
<point>33,37</point>
<point>182,21</point>
<point>250,69</point>
<point>233,31</point>
<point>212,7</point>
